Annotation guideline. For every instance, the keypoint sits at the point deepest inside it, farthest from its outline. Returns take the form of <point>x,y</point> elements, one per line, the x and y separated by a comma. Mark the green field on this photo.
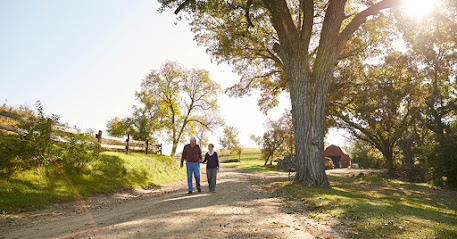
<point>376,206</point>
<point>250,161</point>
<point>113,171</point>
<point>369,206</point>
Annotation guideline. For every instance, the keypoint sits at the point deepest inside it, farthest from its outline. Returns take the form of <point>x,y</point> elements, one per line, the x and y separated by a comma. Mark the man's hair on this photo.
<point>193,138</point>
<point>212,145</point>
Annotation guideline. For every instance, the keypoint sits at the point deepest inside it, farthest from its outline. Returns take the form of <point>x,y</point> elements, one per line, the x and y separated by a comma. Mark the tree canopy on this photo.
<point>174,101</point>
<point>291,45</point>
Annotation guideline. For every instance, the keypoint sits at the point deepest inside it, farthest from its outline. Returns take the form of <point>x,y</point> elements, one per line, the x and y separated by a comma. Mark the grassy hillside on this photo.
<point>113,171</point>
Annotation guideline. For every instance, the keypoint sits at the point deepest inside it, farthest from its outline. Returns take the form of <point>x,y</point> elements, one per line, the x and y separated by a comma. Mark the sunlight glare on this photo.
<point>419,8</point>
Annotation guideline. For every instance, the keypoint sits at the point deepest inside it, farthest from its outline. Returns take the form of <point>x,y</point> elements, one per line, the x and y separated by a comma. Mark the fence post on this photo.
<point>147,146</point>
<point>128,140</point>
<point>99,139</point>
<point>160,148</point>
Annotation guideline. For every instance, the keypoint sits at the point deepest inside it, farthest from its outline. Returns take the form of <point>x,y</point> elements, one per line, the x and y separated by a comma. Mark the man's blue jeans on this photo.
<point>193,167</point>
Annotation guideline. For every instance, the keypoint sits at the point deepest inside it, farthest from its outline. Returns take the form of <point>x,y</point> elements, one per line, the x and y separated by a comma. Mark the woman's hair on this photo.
<point>212,145</point>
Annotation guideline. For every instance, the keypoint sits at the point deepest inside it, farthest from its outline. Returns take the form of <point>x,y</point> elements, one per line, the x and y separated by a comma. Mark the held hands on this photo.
<point>182,165</point>
<point>200,161</point>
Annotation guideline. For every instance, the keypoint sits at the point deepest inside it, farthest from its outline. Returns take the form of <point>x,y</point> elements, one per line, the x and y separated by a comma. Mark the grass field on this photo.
<point>250,161</point>
<point>376,206</point>
<point>369,206</point>
<point>113,171</point>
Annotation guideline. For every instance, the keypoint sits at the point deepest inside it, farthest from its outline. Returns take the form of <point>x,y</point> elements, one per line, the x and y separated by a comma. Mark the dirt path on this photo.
<point>239,209</point>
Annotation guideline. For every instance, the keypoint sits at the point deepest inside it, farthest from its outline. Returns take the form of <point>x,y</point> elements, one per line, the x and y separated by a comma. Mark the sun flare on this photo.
<point>419,8</point>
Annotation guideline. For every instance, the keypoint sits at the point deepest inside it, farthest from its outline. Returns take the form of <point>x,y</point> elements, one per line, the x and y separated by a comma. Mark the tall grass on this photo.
<point>20,111</point>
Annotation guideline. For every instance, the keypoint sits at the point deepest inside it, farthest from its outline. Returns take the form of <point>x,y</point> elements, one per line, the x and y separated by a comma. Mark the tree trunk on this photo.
<point>266,161</point>
<point>308,97</point>
<point>173,149</point>
<point>388,155</point>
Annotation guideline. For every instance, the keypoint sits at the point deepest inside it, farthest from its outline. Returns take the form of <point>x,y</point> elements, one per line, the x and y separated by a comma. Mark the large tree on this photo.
<point>380,103</point>
<point>179,99</point>
<point>434,43</point>
<point>279,44</point>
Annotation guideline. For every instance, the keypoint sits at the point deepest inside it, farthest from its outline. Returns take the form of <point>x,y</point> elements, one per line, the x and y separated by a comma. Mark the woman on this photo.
<point>212,167</point>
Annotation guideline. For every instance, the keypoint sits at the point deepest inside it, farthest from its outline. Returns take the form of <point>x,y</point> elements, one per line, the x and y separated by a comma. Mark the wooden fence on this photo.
<point>128,144</point>
<point>105,142</point>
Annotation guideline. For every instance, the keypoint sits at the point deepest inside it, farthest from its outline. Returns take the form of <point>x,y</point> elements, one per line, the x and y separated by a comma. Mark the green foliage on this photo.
<point>365,155</point>
<point>229,140</point>
<point>244,34</point>
<point>379,101</point>
<point>139,126</point>
<point>77,151</point>
<point>39,145</point>
<point>174,101</point>
<point>278,139</point>
<point>441,159</point>
<point>295,45</point>
<point>433,44</point>
<point>119,127</point>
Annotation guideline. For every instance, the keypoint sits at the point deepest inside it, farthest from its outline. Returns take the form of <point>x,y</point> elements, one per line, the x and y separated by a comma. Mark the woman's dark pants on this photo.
<point>211,173</point>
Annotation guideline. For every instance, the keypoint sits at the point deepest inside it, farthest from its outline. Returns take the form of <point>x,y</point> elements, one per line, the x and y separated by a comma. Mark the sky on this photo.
<point>85,59</point>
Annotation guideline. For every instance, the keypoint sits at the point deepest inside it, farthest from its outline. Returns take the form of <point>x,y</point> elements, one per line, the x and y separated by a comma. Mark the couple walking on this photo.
<point>193,156</point>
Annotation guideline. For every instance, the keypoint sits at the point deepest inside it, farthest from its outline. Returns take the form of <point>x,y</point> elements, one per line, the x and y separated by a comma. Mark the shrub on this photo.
<point>365,155</point>
<point>442,161</point>
<point>39,145</point>
<point>78,151</point>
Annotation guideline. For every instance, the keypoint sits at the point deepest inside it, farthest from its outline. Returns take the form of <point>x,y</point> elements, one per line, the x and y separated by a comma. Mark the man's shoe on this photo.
<point>199,190</point>
<point>212,191</point>
<point>189,192</point>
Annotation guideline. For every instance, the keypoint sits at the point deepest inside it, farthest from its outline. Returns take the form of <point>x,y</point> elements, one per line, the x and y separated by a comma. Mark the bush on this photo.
<point>442,161</point>
<point>78,151</point>
<point>366,156</point>
<point>39,145</point>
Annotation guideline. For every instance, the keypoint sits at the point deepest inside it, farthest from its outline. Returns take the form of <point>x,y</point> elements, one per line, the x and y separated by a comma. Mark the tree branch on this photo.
<point>183,5</point>
<point>284,25</point>
<point>362,16</point>
<point>307,24</point>
<point>246,14</point>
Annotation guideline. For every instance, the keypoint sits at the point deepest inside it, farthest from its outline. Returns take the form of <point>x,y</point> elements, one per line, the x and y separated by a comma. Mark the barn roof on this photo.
<point>334,150</point>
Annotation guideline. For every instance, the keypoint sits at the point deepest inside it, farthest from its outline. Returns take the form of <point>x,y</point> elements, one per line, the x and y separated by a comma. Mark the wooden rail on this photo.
<point>127,144</point>
<point>106,142</point>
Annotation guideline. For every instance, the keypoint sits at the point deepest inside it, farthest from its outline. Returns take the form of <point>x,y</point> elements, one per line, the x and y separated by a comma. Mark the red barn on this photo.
<point>339,158</point>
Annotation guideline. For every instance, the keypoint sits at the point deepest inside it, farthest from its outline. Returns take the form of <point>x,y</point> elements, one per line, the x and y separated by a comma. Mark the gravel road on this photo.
<point>241,208</point>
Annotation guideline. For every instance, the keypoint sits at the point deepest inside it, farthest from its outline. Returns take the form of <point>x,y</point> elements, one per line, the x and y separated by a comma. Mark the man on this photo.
<point>193,156</point>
